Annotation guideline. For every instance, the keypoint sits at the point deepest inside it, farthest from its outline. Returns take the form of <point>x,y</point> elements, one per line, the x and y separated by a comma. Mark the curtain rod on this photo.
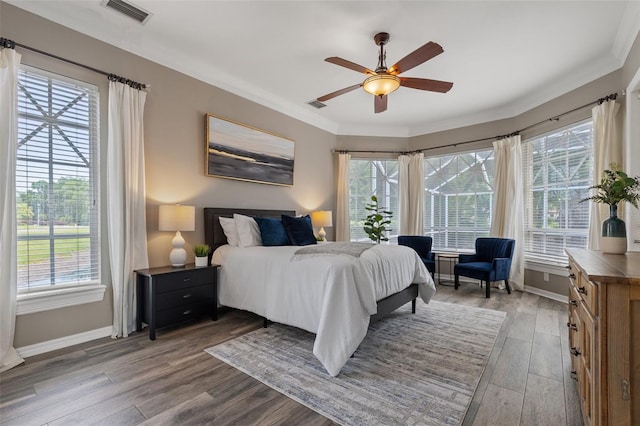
<point>10,44</point>
<point>611,97</point>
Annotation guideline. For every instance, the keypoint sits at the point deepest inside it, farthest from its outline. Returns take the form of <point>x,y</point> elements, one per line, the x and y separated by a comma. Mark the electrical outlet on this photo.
<point>546,276</point>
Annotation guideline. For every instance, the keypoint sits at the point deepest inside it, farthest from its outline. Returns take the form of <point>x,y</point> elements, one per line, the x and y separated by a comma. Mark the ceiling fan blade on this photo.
<point>339,92</point>
<point>380,103</point>
<point>426,84</point>
<point>348,64</point>
<point>415,58</point>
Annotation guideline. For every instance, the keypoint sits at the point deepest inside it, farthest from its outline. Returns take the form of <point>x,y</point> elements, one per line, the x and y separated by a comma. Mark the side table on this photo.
<point>451,258</point>
<point>168,295</point>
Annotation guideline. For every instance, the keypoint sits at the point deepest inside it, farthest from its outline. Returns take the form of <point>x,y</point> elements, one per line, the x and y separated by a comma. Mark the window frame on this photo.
<point>55,296</point>
<point>391,234</point>
<point>429,229</point>
<point>549,263</point>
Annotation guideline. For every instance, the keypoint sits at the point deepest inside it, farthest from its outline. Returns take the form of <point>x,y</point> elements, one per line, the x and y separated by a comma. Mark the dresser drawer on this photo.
<point>182,313</point>
<point>574,297</point>
<point>183,279</point>
<point>588,293</point>
<point>185,296</point>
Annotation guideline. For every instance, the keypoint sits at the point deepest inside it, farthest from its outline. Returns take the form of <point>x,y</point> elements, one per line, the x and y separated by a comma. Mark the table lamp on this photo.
<point>322,218</point>
<point>177,218</point>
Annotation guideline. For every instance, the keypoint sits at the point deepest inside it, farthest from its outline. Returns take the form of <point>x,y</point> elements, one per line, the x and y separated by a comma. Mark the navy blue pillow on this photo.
<point>299,230</point>
<point>272,232</point>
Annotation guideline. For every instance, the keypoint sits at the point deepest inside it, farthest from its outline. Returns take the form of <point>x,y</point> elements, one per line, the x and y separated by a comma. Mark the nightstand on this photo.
<point>168,295</point>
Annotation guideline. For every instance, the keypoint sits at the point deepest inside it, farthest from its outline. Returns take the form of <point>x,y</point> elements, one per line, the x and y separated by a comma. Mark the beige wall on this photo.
<point>364,143</point>
<point>174,152</point>
<point>174,145</point>
<point>443,142</point>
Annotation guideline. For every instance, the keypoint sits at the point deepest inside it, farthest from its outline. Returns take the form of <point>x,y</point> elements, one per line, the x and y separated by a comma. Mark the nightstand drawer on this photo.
<point>181,313</point>
<point>183,279</point>
<point>185,296</point>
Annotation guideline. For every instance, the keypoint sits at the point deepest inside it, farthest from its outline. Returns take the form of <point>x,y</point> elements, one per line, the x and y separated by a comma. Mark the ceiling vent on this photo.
<point>316,104</point>
<point>128,9</point>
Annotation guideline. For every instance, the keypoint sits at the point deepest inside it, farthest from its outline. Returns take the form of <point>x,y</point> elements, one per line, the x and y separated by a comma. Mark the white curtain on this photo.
<point>9,63</point>
<point>508,202</point>
<point>411,193</point>
<point>607,149</point>
<point>125,201</point>
<point>343,227</point>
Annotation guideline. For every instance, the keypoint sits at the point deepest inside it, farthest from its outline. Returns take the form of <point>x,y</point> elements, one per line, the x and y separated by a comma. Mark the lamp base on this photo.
<point>322,234</point>
<point>178,256</point>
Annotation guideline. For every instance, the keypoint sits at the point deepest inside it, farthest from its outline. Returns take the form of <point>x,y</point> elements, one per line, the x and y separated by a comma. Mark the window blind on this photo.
<point>367,178</point>
<point>57,185</point>
<point>557,168</point>
<point>458,199</point>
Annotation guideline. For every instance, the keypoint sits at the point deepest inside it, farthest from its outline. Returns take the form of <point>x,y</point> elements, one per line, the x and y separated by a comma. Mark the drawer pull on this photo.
<point>625,390</point>
<point>186,296</point>
<point>186,279</point>
<point>572,276</point>
<point>573,302</point>
<point>582,290</point>
<point>187,312</point>
<point>574,375</point>
<point>575,352</point>
<point>572,326</point>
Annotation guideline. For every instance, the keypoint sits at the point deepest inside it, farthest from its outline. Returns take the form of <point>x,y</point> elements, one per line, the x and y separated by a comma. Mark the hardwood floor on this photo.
<point>173,381</point>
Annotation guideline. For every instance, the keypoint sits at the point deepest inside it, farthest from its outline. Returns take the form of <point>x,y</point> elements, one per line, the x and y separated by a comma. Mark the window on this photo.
<point>57,182</point>
<point>367,178</point>
<point>557,175</point>
<point>458,199</point>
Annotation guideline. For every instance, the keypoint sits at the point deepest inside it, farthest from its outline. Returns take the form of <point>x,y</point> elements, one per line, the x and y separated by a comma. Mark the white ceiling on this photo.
<point>504,57</point>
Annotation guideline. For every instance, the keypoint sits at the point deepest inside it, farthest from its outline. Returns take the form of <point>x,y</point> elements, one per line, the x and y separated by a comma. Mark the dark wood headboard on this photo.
<point>213,234</point>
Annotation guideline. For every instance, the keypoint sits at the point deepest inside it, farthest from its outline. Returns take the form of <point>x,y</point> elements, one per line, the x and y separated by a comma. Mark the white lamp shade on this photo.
<point>321,218</point>
<point>177,218</point>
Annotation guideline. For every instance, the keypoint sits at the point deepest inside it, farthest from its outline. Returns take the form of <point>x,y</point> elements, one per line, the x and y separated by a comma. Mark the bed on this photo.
<point>335,296</point>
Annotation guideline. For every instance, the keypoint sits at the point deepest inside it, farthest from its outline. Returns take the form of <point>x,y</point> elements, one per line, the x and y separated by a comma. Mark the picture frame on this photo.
<point>241,152</point>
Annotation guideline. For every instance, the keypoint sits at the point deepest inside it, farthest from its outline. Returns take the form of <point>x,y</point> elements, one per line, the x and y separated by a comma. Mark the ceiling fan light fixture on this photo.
<point>381,84</point>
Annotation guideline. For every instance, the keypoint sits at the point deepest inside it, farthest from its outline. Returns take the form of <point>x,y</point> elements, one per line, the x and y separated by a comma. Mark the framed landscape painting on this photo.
<point>236,151</point>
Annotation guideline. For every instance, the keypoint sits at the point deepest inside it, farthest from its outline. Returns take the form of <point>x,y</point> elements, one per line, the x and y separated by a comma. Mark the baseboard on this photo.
<point>63,342</point>
<point>547,294</point>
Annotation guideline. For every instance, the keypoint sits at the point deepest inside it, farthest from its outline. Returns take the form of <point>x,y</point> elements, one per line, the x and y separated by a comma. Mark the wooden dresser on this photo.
<point>604,335</point>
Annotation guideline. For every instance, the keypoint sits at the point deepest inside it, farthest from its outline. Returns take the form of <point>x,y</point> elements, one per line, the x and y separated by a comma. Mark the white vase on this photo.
<point>201,261</point>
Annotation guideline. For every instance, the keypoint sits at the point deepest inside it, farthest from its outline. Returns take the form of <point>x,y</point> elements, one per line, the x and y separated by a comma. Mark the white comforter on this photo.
<point>332,296</point>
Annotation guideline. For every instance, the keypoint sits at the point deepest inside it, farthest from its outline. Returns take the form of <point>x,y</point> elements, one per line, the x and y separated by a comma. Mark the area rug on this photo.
<point>411,369</point>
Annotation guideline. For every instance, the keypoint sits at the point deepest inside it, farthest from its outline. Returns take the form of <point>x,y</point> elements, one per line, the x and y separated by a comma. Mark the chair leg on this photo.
<point>506,282</point>
<point>488,289</point>
<point>413,306</point>
<point>457,281</point>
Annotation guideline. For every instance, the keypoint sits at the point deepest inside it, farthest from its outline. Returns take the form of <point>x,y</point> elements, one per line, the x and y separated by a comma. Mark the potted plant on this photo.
<point>375,224</point>
<point>202,254</point>
<point>614,187</point>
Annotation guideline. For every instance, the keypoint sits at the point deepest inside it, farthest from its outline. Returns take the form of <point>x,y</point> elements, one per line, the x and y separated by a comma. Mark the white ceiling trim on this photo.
<point>208,72</point>
<point>627,32</point>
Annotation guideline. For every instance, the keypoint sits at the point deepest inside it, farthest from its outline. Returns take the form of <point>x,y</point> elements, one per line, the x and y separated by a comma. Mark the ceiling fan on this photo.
<point>385,80</point>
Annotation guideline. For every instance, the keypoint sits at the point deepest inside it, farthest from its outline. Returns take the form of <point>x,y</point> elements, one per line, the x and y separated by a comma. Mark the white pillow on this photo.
<point>230,231</point>
<point>248,231</point>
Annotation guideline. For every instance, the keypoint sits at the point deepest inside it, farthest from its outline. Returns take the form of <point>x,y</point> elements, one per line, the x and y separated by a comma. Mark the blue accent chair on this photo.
<point>422,246</point>
<point>491,262</point>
